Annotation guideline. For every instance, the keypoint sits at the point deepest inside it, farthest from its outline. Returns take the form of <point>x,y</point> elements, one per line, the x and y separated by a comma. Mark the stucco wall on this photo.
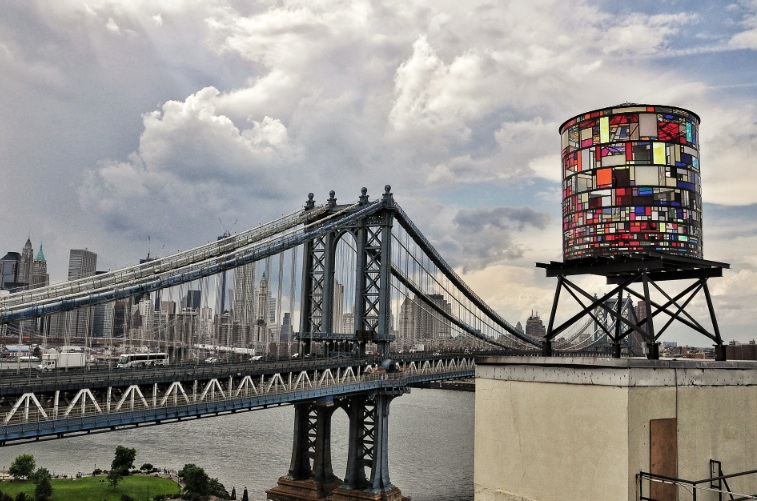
<point>579,429</point>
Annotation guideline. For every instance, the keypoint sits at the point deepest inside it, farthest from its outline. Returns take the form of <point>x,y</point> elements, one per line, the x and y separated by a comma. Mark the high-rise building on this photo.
<point>535,327</point>
<point>121,318</point>
<point>244,295</point>
<point>222,289</point>
<point>191,300</point>
<point>407,319</point>
<point>338,307</point>
<point>103,320</point>
<point>286,333</point>
<point>40,278</point>
<point>347,322</point>
<point>419,320</point>
<point>264,298</point>
<point>265,328</point>
<point>25,264</point>
<point>9,270</point>
<point>82,263</point>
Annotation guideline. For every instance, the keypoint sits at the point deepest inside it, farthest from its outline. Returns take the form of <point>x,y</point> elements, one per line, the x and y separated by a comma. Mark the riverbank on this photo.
<point>140,487</point>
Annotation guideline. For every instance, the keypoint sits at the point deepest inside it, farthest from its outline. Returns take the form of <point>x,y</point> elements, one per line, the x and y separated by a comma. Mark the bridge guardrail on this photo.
<point>32,417</point>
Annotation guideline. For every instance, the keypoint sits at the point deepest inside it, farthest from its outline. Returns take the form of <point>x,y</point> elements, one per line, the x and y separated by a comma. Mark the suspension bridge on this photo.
<point>366,285</point>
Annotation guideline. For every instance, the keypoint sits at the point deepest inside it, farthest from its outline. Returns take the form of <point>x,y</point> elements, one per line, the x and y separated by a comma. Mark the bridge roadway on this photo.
<point>61,403</point>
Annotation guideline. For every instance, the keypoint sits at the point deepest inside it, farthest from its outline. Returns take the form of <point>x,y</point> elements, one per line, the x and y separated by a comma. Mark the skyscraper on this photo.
<point>244,295</point>
<point>39,277</point>
<point>419,320</point>
<point>338,307</point>
<point>535,327</point>
<point>265,329</point>
<point>82,263</point>
<point>192,300</point>
<point>286,333</point>
<point>25,264</point>
<point>9,270</point>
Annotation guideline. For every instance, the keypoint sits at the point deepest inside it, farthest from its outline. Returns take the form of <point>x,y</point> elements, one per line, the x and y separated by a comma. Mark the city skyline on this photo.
<point>134,128</point>
<point>152,320</point>
<point>248,300</point>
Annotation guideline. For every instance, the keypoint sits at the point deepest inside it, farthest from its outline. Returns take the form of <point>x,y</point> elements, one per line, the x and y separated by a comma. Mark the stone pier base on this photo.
<point>303,490</point>
<point>393,494</point>
<point>299,490</point>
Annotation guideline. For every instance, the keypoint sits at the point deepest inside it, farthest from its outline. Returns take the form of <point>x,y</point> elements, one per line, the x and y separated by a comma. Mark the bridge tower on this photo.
<point>632,213</point>
<point>311,475</point>
<point>372,277</point>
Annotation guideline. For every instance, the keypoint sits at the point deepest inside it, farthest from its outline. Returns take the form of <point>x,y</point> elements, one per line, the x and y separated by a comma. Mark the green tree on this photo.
<point>21,496</point>
<point>114,476</point>
<point>44,487</point>
<point>217,489</point>
<point>22,466</point>
<point>196,481</point>
<point>124,460</point>
<point>39,475</point>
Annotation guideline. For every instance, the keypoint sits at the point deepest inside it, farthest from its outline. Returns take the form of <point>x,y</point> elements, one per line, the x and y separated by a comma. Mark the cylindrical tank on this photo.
<point>631,182</point>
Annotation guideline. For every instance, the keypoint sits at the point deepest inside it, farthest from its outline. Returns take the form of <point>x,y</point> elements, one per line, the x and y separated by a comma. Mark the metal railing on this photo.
<point>44,410</point>
<point>716,484</point>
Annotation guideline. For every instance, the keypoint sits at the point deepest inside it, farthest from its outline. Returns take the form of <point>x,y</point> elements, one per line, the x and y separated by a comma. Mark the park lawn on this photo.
<point>139,487</point>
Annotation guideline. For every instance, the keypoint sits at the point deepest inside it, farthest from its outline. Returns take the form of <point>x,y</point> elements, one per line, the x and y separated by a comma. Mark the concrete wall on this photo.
<point>555,429</point>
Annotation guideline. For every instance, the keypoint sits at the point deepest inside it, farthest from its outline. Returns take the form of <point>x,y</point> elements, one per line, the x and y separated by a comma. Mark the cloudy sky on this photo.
<point>179,119</point>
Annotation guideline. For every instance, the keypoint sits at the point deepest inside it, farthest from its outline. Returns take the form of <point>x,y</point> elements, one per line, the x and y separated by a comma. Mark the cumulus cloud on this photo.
<point>728,178</point>
<point>487,237</point>
<point>747,38</point>
<point>640,34</point>
<point>190,156</point>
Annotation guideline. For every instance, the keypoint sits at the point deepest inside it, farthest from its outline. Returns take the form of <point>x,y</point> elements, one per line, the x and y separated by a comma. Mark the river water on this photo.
<point>430,447</point>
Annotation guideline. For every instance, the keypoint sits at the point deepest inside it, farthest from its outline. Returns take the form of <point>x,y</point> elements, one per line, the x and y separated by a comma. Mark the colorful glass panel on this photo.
<point>631,182</point>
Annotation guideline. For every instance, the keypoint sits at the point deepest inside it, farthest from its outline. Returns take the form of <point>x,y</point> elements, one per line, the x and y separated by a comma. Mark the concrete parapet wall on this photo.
<point>575,428</point>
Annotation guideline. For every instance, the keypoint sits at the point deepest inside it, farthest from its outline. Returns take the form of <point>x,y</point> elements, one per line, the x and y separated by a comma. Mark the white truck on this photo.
<point>53,359</point>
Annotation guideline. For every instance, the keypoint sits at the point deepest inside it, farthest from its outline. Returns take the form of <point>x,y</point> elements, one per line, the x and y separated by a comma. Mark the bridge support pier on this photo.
<point>368,447</point>
<point>312,439</point>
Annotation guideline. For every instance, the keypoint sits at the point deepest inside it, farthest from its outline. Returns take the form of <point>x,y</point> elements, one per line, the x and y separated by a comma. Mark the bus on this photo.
<point>141,360</point>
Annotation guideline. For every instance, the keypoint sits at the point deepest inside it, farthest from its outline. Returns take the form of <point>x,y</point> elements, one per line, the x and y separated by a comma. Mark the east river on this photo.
<point>430,447</point>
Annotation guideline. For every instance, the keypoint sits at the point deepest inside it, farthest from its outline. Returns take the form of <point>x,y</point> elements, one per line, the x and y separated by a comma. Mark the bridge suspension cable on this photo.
<point>265,240</point>
<point>454,278</point>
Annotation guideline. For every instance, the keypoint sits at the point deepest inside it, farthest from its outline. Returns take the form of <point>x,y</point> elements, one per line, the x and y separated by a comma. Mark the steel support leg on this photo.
<point>547,344</point>
<point>720,353</point>
<point>299,468</point>
<point>653,349</point>
<point>358,450</point>
<point>322,469</point>
<point>379,481</point>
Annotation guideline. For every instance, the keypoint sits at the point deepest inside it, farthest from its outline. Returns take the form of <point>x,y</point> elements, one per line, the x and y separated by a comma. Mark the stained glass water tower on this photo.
<point>632,212</point>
